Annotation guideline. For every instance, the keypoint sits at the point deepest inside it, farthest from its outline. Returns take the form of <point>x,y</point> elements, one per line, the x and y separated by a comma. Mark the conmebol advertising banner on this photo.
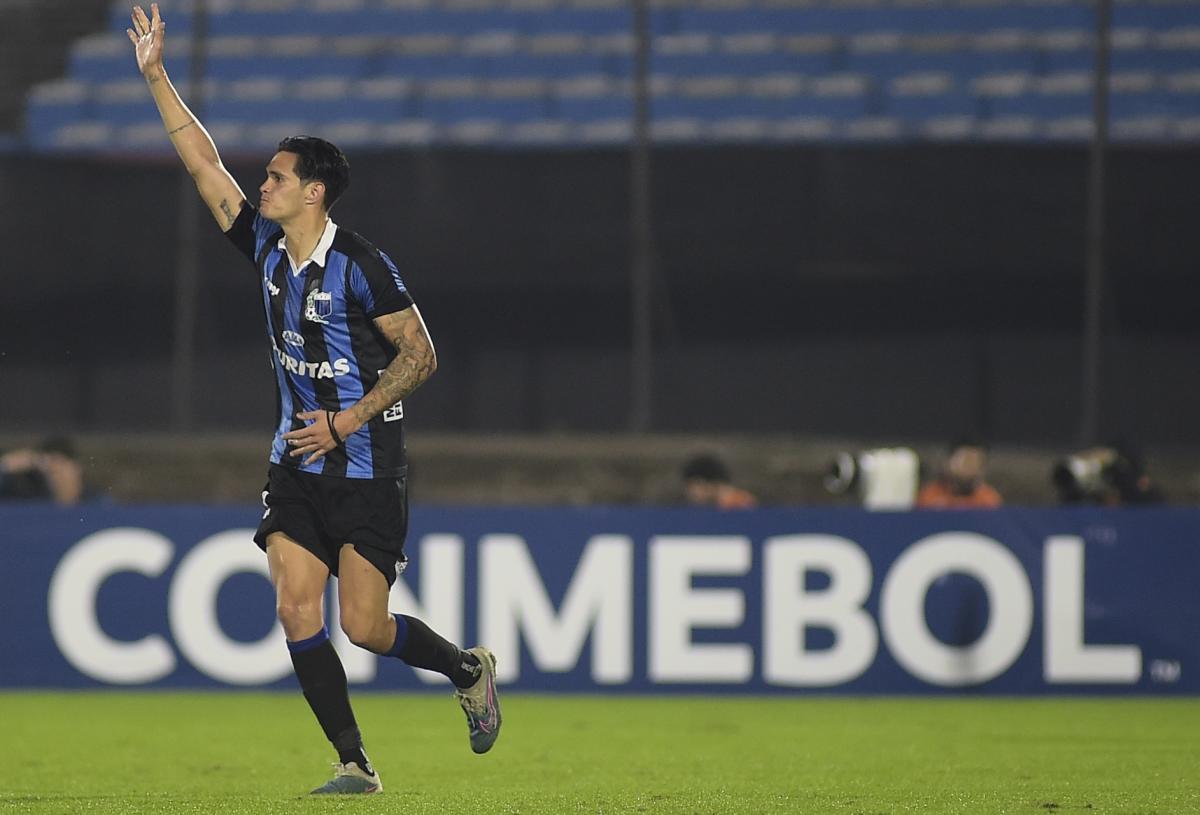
<point>632,600</point>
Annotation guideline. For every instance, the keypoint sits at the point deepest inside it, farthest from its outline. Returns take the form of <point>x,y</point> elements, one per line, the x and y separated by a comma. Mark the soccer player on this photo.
<point>348,346</point>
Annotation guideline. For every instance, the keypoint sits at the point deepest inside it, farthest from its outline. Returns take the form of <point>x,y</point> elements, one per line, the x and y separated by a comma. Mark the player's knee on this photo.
<point>361,629</point>
<point>298,617</point>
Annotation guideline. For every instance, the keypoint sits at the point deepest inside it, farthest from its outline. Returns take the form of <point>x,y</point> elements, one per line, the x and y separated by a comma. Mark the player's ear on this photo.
<point>315,193</point>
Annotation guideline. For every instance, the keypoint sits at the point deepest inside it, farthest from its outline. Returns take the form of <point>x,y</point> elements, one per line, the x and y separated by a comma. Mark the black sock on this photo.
<point>354,753</point>
<point>323,680</point>
<point>421,647</point>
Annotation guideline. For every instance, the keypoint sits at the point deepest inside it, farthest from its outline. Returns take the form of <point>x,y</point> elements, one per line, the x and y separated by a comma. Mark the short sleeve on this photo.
<point>377,285</point>
<point>250,230</point>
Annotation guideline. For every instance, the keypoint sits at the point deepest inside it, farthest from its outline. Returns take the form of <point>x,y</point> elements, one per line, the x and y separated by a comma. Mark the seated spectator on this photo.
<point>707,482</point>
<point>49,472</point>
<point>961,484</point>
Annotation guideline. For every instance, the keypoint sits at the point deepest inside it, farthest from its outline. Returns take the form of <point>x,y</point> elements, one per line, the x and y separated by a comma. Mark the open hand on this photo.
<point>315,439</point>
<point>148,39</point>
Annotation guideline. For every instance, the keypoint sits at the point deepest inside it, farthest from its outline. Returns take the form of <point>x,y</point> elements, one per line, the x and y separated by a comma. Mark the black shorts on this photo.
<point>323,513</point>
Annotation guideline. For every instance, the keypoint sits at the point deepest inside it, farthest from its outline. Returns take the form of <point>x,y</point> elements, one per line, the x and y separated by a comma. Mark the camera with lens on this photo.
<point>1103,475</point>
<point>884,478</point>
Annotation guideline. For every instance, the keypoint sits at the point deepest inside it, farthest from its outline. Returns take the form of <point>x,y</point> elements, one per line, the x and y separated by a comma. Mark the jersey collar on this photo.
<point>319,254</point>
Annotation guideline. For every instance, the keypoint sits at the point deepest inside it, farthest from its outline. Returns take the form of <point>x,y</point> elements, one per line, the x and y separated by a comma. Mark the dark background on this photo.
<point>868,291</point>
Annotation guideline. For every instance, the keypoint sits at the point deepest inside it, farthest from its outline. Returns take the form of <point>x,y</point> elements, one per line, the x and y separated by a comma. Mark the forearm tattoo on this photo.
<point>181,127</point>
<point>414,363</point>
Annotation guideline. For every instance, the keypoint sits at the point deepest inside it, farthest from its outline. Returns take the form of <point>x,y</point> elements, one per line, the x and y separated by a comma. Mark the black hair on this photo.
<point>319,160</point>
<point>706,467</point>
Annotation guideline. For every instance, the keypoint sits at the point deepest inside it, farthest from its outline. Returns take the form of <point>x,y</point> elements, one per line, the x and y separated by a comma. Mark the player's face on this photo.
<point>282,195</point>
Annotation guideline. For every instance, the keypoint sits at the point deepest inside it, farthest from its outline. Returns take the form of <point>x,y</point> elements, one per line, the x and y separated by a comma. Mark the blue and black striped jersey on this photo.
<point>326,350</point>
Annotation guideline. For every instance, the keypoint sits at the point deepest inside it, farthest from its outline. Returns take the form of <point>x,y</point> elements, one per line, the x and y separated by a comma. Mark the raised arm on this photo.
<point>217,187</point>
<point>415,361</point>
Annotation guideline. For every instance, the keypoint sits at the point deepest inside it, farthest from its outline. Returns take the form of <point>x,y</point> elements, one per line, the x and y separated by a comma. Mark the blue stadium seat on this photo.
<point>1077,60</point>
<point>227,68</point>
<point>350,108</point>
<point>101,57</point>
<point>43,118</point>
<point>550,66</point>
<point>1046,106</point>
<point>965,63</point>
<point>596,109</point>
<point>742,64</point>
<point>258,110</point>
<point>583,21</point>
<point>120,114</point>
<point>1162,102</point>
<point>503,110</point>
<point>712,108</point>
<point>918,107</point>
<point>423,66</point>
<point>85,134</point>
<point>1157,16</point>
<point>1157,59</point>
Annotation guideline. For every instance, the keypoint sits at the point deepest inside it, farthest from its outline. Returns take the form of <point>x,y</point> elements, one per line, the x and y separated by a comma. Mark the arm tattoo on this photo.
<point>414,363</point>
<point>181,127</point>
<point>153,80</point>
<point>225,208</point>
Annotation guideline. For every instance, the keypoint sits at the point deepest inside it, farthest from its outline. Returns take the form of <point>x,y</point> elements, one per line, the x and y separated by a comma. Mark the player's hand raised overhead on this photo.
<point>147,37</point>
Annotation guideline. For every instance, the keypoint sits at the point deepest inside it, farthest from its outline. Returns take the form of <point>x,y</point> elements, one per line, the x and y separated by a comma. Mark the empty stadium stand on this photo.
<point>558,72</point>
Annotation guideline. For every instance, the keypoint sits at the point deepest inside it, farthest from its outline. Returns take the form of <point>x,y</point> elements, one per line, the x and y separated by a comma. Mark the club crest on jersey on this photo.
<point>318,306</point>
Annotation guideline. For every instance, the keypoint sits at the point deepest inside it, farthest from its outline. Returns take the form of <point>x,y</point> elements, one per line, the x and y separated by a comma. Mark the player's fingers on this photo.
<point>310,415</point>
<point>137,27</point>
<point>132,37</point>
<point>314,457</point>
<point>143,23</point>
<point>154,11</point>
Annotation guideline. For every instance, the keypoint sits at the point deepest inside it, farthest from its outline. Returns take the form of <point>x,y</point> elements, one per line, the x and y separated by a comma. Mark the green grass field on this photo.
<point>259,753</point>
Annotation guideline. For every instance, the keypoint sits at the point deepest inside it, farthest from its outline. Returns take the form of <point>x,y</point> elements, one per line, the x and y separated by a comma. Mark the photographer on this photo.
<point>707,482</point>
<point>961,484</point>
<point>49,472</point>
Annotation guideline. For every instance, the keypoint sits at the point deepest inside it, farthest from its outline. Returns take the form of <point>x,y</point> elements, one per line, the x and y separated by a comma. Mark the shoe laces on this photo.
<point>472,701</point>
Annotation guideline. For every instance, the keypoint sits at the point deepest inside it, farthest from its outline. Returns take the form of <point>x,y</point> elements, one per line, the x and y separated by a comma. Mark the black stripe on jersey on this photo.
<point>279,279</point>
<point>315,350</point>
<point>386,437</point>
<point>241,231</point>
<point>370,349</point>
